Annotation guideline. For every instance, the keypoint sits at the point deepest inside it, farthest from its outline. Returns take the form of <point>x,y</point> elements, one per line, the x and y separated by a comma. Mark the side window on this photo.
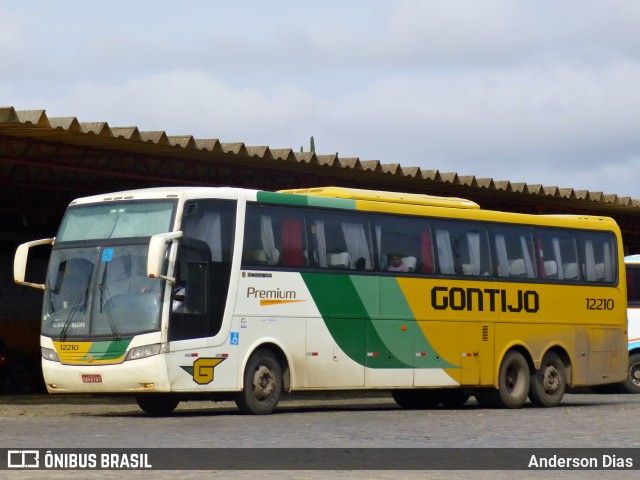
<point>213,222</point>
<point>341,240</point>
<point>404,245</point>
<point>598,255</point>
<point>558,255</point>
<point>514,252</point>
<point>275,236</point>
<point>462,249</point>
<point>633,285</point>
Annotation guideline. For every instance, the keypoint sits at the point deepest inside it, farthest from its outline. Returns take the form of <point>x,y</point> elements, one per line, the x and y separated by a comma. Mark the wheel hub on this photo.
<point>634,374</point>
<point>551,380</point>
<point>263,383</point>
<point>514,380</point>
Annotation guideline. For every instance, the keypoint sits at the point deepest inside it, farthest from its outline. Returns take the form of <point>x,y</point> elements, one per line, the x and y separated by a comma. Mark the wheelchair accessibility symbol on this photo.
<point>235,338</point>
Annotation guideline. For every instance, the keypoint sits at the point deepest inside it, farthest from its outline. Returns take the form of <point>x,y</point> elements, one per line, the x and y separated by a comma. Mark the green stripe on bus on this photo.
<point>286,198</point>
<point>109,350</point>
<point>370,320</point>
<point>295,199</point>
<point>395,322</point>
<point>342,311</point>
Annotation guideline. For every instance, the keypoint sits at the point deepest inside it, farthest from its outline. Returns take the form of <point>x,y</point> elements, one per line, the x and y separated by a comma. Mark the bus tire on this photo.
<point>549,382</point>
<point>157,405</point>
<point>416,399</point>
<point>513,381</point>
<point>263,384</point>
<point>631,384</point>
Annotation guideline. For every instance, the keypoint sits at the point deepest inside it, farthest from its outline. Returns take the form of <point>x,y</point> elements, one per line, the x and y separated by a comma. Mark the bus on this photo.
<point>176,294</point>
<point>632,383</point>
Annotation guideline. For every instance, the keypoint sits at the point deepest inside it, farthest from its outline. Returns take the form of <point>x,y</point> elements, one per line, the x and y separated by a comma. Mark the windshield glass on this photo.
<point>100,291</point>
<point>67,291</point>
<point>116,220</point>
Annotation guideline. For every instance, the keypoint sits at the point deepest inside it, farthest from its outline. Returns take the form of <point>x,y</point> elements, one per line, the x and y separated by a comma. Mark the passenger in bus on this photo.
<point>396,264</point>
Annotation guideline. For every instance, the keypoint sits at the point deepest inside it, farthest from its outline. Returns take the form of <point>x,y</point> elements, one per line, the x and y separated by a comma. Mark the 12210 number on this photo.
<point>600,304</point>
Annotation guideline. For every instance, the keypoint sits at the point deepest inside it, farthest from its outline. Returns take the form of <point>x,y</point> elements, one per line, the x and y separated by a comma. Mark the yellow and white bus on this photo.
<point>173,294</point>
<point>632,382</point>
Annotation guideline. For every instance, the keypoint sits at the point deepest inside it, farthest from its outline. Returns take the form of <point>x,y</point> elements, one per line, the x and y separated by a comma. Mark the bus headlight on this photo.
<point>49,354</point>
<point>147,351</point>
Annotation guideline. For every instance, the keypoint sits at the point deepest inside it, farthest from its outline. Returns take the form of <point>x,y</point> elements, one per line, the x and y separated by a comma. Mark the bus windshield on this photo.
<point>100,291</point>
<point>116,220</point>
<point>97,286</point>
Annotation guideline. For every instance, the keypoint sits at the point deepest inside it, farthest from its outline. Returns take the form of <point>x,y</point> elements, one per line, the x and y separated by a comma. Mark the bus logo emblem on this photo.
<point>202,369</point>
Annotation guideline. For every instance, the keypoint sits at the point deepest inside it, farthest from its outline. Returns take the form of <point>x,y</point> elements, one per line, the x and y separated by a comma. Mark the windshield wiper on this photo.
<point>83,293</point>
<point>105,303</point>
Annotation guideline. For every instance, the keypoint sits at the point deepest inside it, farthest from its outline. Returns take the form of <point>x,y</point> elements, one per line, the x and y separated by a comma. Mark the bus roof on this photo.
<point>632,258</point>
<point>386,197</point>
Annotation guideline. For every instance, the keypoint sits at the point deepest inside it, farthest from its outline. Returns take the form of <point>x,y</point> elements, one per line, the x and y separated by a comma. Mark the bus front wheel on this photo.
<point>263,384</point>
<point>548,383</point>
<point>632,382</point>
<point>157,404</point>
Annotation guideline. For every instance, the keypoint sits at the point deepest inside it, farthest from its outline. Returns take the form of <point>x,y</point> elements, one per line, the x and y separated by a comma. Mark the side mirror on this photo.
<point>20,262</point>
<point>155,258</point>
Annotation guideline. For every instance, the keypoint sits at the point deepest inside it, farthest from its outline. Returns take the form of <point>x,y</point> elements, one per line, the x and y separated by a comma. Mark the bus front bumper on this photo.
<point>133,376</point>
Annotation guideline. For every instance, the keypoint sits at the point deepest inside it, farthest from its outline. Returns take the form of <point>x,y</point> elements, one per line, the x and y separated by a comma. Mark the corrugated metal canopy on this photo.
<point>47,161</point>
<point>36,125</point>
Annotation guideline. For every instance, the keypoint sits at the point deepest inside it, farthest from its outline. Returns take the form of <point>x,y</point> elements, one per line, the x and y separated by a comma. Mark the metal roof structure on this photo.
<point>47,161</point>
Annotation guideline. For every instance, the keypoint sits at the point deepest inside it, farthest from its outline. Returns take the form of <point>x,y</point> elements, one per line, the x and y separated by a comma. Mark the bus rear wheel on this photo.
<point>632,382</point>
<point>548,383</point>
<point>157,404</point>
<point>263,384</point>
<point>513,382</point>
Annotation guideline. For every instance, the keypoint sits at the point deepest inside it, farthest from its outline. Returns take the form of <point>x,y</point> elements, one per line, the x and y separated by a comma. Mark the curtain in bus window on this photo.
<point>426,250</point>
<point>382,259</point>
<point>321,244</point>
<point>268,242</point>
<point>608,263</point>
<point>445,254</point>
<point>528,264</point>
<point>357,245</point>
<point>590,261</point>
<point>135,223</point>
<point>292,254</point>
<point>555,241</point>
<point>84,227</point>
<point>503,258</point>
<point>209,230</point>
<point>473,242</point>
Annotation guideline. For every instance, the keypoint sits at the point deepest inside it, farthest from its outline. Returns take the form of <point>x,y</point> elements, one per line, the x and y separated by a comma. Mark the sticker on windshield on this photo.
<point>107,254</point>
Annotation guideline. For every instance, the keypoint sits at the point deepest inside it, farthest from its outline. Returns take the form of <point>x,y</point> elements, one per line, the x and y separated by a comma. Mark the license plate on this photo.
<point>92,378</point>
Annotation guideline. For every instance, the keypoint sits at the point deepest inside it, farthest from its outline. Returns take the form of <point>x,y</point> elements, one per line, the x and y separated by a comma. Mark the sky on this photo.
<point>544,92</point>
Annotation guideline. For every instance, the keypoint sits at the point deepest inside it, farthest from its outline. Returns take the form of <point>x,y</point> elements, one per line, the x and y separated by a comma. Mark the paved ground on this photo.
<point>322,420</point>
